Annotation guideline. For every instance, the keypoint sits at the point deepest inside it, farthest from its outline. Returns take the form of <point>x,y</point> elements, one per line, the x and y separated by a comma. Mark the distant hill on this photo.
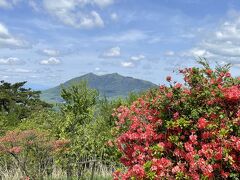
<point>109,85</point>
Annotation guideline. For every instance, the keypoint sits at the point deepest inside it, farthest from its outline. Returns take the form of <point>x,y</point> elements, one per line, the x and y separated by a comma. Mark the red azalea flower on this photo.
<point>202,123</point>
<point>168,78</point>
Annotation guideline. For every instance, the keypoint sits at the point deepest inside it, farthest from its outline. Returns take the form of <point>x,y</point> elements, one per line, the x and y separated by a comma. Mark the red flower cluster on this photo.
<point>232,93</point>
<point>202,123</point>
<point>15,142</point>
<point>186,131</point>
<point>15,150</point>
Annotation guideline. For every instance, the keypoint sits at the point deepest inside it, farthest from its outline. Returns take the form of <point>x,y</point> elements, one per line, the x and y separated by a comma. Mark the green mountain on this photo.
<point>109,85</point>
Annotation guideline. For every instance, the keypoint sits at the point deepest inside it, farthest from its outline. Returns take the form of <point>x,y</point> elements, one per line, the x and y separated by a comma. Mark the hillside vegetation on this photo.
<point>175,131</point>
<point>109,85</point>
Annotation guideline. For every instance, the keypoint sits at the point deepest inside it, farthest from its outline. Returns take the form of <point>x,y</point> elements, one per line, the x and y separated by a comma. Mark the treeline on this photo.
<point>73,142</point>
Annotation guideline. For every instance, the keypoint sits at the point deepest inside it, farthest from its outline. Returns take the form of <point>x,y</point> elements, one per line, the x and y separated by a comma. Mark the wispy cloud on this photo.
<point>114,16</point>
<point>8,3</point>
<point>19,70</point>
<point>222,43</point>
<point>4,3</point>
<point>72,12</point>
<point>141,37</point>
<point>11,61</point>
<point>7,40</point>
<point>137,58</point>
<point>133,61</point>
<point>127,64</point>
<point>50,61</point>
<point>128,36</point>
<point>50,52</point>
<point>169,53</point>
<point>112,53</point>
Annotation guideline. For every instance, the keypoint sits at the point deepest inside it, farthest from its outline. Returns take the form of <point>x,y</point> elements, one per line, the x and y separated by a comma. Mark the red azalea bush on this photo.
<point>183,131</point>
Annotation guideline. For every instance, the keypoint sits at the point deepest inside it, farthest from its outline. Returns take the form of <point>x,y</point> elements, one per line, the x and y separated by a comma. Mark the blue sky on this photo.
<point>50,41</point>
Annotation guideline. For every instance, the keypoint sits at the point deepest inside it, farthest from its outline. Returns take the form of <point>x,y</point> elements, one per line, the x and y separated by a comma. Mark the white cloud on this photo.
<point>64,4</point>
<point>8,3</point>
<point>155,40</point>
<point>114,16</point>
<point>226,49</point>
<point>188,36</point>
<point>133,61</point>
<point>11,61</point>
<point>169,53</point>
<point>128,36</point>
<point>3,31</point>
<point>4,4</point>
<point>113,52</point>
<point>91,20</point>
<point>9,41</point>
<point>34,5</point>
<point>197,52</point>
<point>50,61</point>
<point>72,12</point>
<point>97,69</point>
<point>101,3</point>
<point>127,64</point>
<point>137,58</point>
<point>221,44</point>
<point>19,70</point>
<point>50,52</point>
<point>4,77</point>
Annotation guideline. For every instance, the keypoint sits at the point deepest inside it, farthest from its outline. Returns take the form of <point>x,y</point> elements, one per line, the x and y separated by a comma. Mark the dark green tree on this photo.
<point>17,103</point>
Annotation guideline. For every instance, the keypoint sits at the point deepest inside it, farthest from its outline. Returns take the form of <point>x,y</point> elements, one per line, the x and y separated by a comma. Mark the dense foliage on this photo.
<point>17,103</point>
<point>32,150</point>
<point>177,131</point>
<point>38,141</point>
<point>183,131</point>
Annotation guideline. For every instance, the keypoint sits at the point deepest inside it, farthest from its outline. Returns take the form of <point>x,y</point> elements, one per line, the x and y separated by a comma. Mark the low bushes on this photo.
<point>31,151</point>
